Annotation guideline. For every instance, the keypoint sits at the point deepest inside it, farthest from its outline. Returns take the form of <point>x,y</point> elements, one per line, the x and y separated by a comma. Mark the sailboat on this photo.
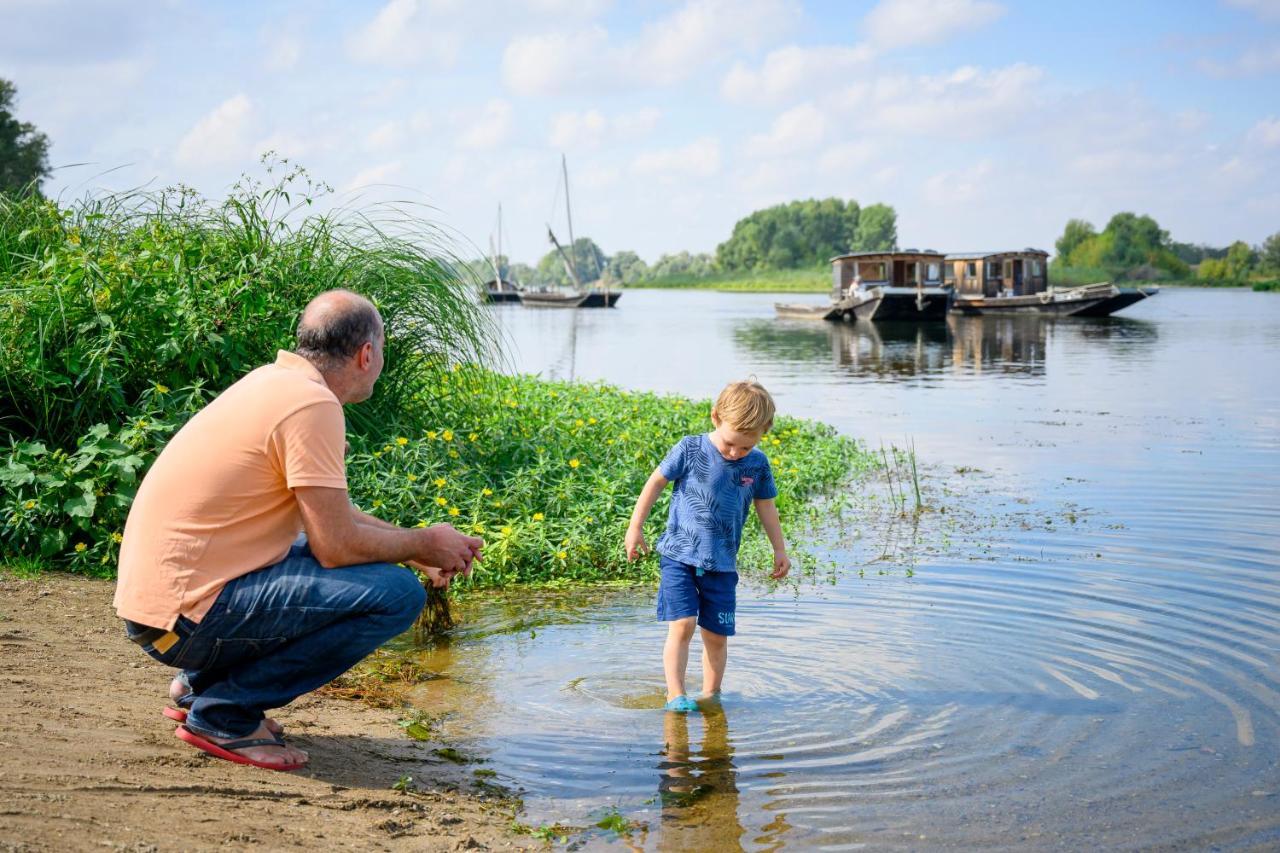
<point>591,296</point>
<point>499,289</point>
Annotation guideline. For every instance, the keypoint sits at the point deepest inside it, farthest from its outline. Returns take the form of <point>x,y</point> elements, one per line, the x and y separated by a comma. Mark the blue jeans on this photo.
<point>282,631</point>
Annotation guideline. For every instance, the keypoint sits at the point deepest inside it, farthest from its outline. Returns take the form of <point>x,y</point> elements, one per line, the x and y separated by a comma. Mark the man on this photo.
<point>214,578</point>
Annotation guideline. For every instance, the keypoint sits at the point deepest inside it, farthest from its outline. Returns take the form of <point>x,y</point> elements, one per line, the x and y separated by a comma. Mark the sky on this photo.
<point>985,124</point>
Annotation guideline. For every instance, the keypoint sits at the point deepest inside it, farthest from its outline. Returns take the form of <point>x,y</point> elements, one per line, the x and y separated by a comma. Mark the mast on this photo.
<point>499,239</point>
<point>568,212</point>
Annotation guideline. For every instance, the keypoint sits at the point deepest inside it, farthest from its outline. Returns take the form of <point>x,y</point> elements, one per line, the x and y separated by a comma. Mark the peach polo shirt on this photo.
<point>218,502</point>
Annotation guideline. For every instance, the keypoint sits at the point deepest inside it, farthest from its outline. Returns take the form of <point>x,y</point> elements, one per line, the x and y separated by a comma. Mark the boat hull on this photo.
<point>1122,300</point>
<point>912,305</point>
<point>499,296</point>
<point>601,299</point>
<point>552,300</point>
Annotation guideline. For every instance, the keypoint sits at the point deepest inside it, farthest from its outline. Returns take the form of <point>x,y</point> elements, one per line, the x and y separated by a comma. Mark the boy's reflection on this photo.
<point>699,794</point>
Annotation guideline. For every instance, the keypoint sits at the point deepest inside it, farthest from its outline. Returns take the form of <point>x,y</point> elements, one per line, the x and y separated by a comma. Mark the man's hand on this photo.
<point>635,544</point>
<point>439,577</point>
<point>447,549</point>
<point>781,565</point>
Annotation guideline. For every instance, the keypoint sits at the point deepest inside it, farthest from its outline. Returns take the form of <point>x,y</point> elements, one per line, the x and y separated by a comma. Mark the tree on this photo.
<point>786,236</point>
<point>1269,254</point>
<point>626,267</point>
<point>877,230</point>
<point>588,259</point>
<point>1240,260</point>
<point>683,263</point>
<point>24,151</point>
<point>1076,232</point>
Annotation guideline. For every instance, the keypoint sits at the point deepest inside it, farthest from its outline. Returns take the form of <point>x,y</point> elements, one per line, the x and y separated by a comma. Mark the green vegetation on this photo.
<point>766,281</point>
<point>24,151</point>
<point>123,315</point>
<point>806,234</point>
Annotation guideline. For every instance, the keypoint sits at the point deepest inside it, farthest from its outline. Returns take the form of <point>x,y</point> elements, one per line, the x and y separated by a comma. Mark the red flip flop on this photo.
<point>180,715</point>
<point>224,751</point>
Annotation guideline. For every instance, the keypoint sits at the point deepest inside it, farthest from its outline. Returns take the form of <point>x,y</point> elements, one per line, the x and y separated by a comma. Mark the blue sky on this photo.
<point>986,124</point>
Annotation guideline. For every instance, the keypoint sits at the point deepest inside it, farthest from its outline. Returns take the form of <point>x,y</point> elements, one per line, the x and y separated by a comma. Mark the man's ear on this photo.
<point>364,355</point>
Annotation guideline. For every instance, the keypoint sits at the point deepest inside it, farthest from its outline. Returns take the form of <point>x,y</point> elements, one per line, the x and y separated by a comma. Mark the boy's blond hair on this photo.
<point>745,406</point>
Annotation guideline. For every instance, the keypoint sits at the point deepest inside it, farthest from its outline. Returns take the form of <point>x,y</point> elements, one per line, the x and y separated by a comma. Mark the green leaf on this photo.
<point>82,505</point>
<point>52,541</point>
<point>16,474</point>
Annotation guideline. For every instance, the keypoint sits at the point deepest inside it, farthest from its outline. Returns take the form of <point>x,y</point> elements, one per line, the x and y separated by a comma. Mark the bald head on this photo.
<point>334,326</point>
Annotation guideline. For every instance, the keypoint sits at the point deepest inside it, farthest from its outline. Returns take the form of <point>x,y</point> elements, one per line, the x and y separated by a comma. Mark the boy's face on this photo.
<point>732,443</point>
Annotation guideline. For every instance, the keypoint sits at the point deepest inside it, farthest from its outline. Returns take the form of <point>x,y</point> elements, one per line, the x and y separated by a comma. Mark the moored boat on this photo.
<point>551,299</point>
<point>855,305</point>
<point>909,284</point>
<point>1016,282</point>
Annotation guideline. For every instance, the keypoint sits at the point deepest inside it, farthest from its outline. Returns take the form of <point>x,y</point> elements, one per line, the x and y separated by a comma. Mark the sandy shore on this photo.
<point>87,761</point>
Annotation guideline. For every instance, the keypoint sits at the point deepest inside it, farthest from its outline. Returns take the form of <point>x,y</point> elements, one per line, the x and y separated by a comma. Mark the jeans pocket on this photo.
<point>229,651</point>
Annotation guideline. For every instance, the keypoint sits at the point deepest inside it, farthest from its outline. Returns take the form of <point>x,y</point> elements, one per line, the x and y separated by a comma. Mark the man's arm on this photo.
<point>767,510</point>
<point>341,535</point>
<point>438,576</point>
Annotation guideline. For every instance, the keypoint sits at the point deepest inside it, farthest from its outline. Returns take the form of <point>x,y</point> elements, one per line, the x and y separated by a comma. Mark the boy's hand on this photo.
<point>636,546</point>
<point>781,566</point>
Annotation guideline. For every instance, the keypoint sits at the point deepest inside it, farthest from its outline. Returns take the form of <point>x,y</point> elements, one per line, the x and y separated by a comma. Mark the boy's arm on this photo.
<point>635,543</point>
<point>767,510</point>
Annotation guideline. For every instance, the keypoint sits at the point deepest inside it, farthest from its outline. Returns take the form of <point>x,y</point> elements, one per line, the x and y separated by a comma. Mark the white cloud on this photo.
<point>900,23</point>
<point>285,144</point>
<point>490,128</point>
<point>968,102</point>
<point>793,68</point>
<point>699,159</point>
<point>221,136</point>
<point>665,52</point>
<point>962,186</point>
<point>592,128</point>
<point>797,130</point>
<point>283,52</point>
<point>1252,62</point>
<point>408,32</point>
<point>1261,8</point>
<point>846,157</point>
<point>1265,134</point>
<point>381,173</point>
<point>385,137</point>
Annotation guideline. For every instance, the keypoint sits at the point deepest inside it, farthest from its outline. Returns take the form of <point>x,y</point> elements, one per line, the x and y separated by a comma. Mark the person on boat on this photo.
<point>718,477</point>
<point>214,576</point>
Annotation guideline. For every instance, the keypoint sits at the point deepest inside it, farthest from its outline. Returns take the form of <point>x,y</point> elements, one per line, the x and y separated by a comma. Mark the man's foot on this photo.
<point>262,748</point>
<point>681,704</point>
<point>178,691</point>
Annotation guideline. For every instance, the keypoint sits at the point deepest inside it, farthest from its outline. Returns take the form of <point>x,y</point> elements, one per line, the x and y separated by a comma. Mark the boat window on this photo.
<point>1035,268</point>
<point>1008,269</point>
<point>973,269</point>
<point>931,273</point>
<point>872,271</point>
<point>993,269</point>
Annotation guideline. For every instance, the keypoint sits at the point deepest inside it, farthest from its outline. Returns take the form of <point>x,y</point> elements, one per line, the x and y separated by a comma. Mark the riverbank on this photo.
<point>89,762</point>
<point>771,281</point>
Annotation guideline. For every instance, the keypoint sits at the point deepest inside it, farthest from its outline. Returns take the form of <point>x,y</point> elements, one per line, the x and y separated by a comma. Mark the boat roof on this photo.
<point>974,256</point>
<point>903,253</point>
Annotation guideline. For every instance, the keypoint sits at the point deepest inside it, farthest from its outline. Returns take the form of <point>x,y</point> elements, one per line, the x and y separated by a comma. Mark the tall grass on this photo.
<point>111,296</point>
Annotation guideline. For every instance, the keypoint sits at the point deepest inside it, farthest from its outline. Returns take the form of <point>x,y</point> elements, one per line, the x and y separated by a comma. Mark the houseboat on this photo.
<point>500,290</point>
<point>1017,282</point>
<point>909,284</point>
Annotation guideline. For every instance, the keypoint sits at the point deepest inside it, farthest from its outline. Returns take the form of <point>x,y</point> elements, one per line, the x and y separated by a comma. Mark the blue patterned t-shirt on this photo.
<point>710,499</point>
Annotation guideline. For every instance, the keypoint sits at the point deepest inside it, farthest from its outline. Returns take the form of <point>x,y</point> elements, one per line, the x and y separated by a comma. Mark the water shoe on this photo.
<point>681,705</point>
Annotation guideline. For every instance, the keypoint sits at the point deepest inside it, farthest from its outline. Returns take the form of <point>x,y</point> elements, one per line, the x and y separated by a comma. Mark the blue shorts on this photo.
<point>711,596</point>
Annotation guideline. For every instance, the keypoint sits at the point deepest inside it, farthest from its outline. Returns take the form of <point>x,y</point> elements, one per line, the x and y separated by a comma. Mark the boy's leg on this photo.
<point>675,655</point>
<point>717,615</point>
<point>678,605</point>
<point>715,654</point>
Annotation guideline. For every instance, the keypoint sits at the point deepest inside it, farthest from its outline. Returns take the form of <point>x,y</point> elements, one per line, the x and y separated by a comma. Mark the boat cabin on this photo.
<point>908,268</point>
<point>992,274</point>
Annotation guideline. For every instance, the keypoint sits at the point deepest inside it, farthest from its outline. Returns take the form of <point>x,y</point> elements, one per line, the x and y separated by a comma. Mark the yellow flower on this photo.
<point>442,501</point>
<point>385,448</point>
<point>505,531</point>
<point>513,404</point>
<point>412,478</point>
<point>537,516</point>
<point>498,504</point>
<point>591,519</point>
<point>29,505</point>
<point>431,434</point>
<point>478,527</point>
<point>162,389</point>
<point>578,422</point>
<point>377,502</point>
<point>80,546</point>
<point>447,435</point>
<point>402,441</point>
<point>453,454</point>
<point>774,441</point>
<point>439,481</point>
<point>473,436</point>
<point>377,454</point>
<point>486,492</point>
<point>142,423</point>
<point>117,538</point>
<point>421,524</point>
<point>591,420</point>
<point>554,395</point>
<point>791,470</point>
<point>453,510</point>
<point>562,554</point>
<point>574,463</point>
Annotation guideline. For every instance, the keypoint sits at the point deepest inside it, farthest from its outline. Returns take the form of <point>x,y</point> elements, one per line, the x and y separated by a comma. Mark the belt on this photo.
<point>159,638</point>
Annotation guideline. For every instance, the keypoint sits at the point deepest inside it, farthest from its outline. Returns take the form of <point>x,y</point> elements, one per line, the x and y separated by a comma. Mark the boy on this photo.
<point>717,476</point>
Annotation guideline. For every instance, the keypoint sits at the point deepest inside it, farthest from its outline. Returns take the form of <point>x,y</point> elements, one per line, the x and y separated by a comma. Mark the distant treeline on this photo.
<point>798,235</point>
<point>1135,247</point>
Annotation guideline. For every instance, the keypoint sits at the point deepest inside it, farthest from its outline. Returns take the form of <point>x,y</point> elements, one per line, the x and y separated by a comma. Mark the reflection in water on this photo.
<point>1015,344</point>
<point>698,790</point>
